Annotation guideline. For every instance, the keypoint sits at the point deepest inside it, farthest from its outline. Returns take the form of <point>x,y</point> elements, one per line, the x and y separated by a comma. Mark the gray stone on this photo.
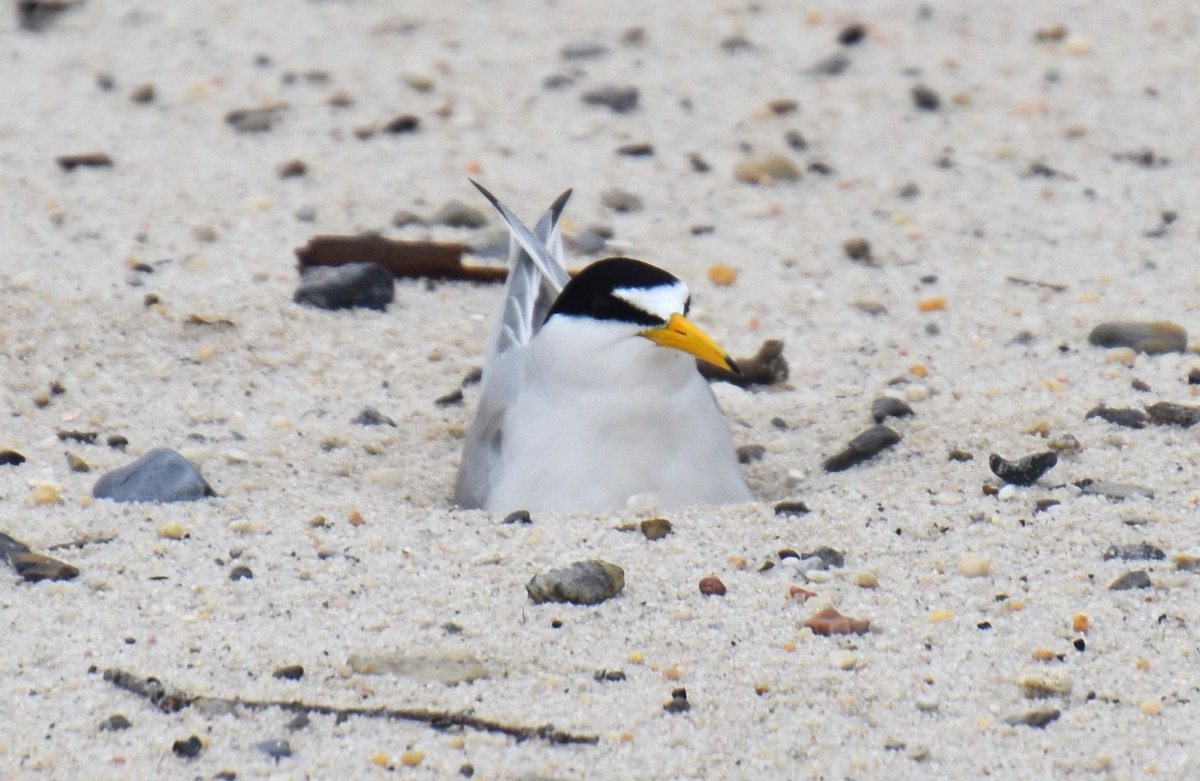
<point>1137,551</point>
<point>1152,338</point>
<point>889,407</point>
<point>161,475</point>
<point>1025,470</point>
<point>1137,578</point>
<point>582,583</point>
<point>620,99</point>
<point>365,285</point>
<point>866,445</point>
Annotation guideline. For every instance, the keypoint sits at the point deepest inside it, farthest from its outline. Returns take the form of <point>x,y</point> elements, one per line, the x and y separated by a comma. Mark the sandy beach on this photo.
<point>1008,176</point>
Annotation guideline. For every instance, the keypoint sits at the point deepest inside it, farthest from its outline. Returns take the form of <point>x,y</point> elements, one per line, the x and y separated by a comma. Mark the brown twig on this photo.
<point>766,367</point>
<point>169,700</point>
<point>427,259</point>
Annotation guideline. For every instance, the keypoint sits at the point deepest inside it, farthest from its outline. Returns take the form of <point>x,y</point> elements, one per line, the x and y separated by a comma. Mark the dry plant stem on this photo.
<point>170,699</point>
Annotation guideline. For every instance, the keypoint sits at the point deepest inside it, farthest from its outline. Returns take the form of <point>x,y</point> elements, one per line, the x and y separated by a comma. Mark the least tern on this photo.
<point>580,406</point>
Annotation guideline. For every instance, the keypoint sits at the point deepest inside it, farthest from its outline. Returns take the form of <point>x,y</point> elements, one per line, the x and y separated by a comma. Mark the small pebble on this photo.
<point>828,621</point>
<point>518,516</point>
<point>925,98</point>
<point>161,475</point>
<point>621,201</point>
<point>189,748</point>
<point>1065,444</point>
<point>1023,471</point>
<point>678,702</point>
<point>405,123</point>
<point>11,458</point>
<point>1040,684</point>
<point>866,580</point>
<point>240,572</point>
<point>1168,413</point>
<point>960,455</point>
<point>858,249</point>
<point>47,493</point>
<point>77,464</point>
<point>366,285</point>
<point>1193,377</point>
<point>84,160</point>
<point>299,721</point>
<point>851,34</point>
<point>582,583</point>
<point>172,530</point>
<point>722,275</point>
<point>974,565</point>
<point>655,528</point>
<point>750,453</point>
<point>621,99</point>
<point>1115,491</point>
<point>1152,338</point>
<point>289,672</point>
<point>457,214</point>
<point>863,447</point>
<point>276,748</point>
<point>255,120</point>
<point>1034,717</point>
<point>1137,578</point>
<point>115,723</point>
<point>712,586</point>
<point>636,149</point>
<point>766,169</point>
<point>833,65</point>
<point>1042,505</point>
<point>583,50</point>
<point>372,417</point>
<point>791,508</point>
<point>1138,551</point>
<point>1120,416</point>
<point>889,407</point>
<point>292,169</point>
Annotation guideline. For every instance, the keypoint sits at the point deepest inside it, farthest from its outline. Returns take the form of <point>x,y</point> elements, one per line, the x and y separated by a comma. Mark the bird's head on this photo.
<point>650,300</point>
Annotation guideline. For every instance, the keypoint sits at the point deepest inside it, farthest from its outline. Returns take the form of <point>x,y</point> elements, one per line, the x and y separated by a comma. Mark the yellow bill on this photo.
<point>681,334</point>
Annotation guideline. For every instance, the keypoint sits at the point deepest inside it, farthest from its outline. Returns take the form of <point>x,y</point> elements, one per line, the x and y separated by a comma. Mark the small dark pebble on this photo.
<point>276,748</point>
<point>863,447</point>
<point>678,702</point>
<point>698,163</point>
<point>639,149</point>
<point>84,160</point>
<point>289,672</point>
<point>748,453</point>
<point>1168,413</point>
<point>117,441</point>
<point>581,583</point>
<point>1025,470</point>
<point>161,475</point>
<point>225,775</point>
<point>820,168</point>
<point>857,249</point>
<point>852,34</point>
<point>583,50</point>
<point>608,676</point>
<point>240,572</point>
<point>1140,386</point>
<point>833,65</point>
<point>143,94</point>
<point>889,407</point>
<point>518,516</point>
<point>1080,644</point>
<point>1035,717</point>
<point>466,770</point>
<point>795,140</point>
<point>788,553</point>
<point>1038,168</point>
<point>1152,338</point>
<point>457,214</point>
<point>701,230</point>
<point>736,43</point>
<point>984,625</point>
<point>780,423</point>
<point>37,15</point>
<point>711,586</point>
<point>405,123</point>
<point>830,557</point>
<point>620,200</point>
<point>1137,578</point>
<point>366,285</point>
<point>115,723</point>
<point>1138,551</point>
<point>791,508</point>
<point>1042,505</point>
<point>11,458</point>
<point>620,99</point>
<point>450,399</point>
<point>925,98</point>
<point>299,721</point>
<point>34,567</point>
<point>910,190</point>
<point>188,749</point>
<point>85,437</point>
<point>655,528</point>
<point>293,168</point>
<point>1194,376</point>
<point>1121,416</point>
<point>960,455</point>
<point>372,417</point>
<point>255,120</point>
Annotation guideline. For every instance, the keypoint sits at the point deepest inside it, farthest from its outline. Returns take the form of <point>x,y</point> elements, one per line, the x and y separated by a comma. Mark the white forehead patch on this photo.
<point>662,301</point>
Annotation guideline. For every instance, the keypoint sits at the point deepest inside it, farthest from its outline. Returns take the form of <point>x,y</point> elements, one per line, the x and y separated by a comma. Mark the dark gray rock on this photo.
<point>1120,416</point>
<point>582,583</point>
<point>365,285</point>
<point>276,748</point>
<point>1023,471</point>
<point>866,445</point>
<point>1138,551</point>
<point>1153,338</point>
<point>620,99</point>
<point>889,407</point>
<point>372,417</point>
<point>1137,578</point>
<point>583,50</point>
<point>161,475</point>
<point>1168,413</point>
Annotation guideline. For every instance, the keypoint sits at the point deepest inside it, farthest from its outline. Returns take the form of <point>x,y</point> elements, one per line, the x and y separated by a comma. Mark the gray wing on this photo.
<point>536,275</point>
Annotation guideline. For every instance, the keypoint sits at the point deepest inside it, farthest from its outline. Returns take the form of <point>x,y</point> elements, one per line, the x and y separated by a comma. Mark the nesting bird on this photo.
<point>590,394</point>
